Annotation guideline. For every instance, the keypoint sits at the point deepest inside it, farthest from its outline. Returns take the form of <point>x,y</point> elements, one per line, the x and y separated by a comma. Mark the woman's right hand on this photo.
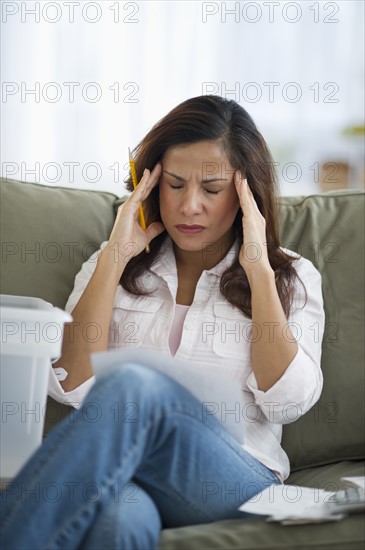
<point>127,238</point>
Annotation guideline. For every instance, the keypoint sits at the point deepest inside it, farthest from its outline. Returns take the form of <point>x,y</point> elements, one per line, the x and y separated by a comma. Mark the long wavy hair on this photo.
<point>213,118</point>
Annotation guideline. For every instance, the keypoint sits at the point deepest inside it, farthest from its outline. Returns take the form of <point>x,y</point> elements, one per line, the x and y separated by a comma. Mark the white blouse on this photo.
<point>217,334</point>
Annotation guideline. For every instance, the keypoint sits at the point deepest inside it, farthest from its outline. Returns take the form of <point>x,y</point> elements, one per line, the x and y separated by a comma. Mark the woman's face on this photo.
<point>197,189</point>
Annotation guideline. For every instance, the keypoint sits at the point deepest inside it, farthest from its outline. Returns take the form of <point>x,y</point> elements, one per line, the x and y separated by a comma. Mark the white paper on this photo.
<point>291,504</point>
<point>356,481</point>
<point>288,500</point>
<point>221,394</point>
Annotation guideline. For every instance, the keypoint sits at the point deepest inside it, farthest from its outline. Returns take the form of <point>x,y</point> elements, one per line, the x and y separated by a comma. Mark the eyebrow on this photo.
<point>203,181</point>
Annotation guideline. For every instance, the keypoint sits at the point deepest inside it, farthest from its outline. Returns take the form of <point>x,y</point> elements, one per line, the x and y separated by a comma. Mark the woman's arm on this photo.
<point>300,386</point>
<point>91,319</point>
<point>275,347</point>
<point>92,315</point>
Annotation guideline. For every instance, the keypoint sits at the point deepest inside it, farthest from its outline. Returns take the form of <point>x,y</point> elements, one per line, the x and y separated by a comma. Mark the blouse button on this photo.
<point>188,327</point>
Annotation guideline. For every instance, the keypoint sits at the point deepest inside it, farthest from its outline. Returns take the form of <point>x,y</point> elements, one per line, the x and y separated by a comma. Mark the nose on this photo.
<point>191,202</point>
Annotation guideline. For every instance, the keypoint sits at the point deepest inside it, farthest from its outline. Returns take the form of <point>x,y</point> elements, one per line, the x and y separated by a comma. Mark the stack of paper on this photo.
<point>358,481</point>
<point>292,504</point>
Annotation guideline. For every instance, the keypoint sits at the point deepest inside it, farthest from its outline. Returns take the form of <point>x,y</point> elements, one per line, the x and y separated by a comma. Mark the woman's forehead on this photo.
<point>195,154</point>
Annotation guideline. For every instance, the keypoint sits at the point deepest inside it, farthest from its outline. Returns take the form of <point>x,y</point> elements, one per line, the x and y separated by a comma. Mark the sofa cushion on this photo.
<point>258,534</point>
<point>329,230</point>
<point>47,233</point>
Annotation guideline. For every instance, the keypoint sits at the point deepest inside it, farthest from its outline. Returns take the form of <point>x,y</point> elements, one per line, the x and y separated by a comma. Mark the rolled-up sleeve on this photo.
<point>300,386</point>
<point>73,398</point>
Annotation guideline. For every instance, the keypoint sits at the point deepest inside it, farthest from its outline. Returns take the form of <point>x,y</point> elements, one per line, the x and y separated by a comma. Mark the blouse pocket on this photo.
<point>232,335</point>
<point>132,320</point>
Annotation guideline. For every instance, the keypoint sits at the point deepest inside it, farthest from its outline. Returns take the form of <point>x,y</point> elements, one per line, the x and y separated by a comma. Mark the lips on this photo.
<point>190,229</point>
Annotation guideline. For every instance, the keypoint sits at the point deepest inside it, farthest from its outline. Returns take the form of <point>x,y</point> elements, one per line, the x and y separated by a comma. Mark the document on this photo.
<point>293,504</point>
<point>356,481</point>
<point>220,393</point>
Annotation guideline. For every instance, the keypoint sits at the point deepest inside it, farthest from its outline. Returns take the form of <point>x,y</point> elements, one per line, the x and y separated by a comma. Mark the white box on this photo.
<point>30,337</point>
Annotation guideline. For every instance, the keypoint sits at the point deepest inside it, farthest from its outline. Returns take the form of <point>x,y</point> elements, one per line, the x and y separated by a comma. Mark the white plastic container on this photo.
<point>30,337</point>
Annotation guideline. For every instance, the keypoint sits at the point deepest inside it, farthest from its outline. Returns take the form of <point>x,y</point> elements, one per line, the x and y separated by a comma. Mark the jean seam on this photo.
<point>64,532</point>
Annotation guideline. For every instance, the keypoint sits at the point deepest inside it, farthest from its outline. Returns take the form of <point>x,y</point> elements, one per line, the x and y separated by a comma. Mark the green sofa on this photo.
<point>47,232</point>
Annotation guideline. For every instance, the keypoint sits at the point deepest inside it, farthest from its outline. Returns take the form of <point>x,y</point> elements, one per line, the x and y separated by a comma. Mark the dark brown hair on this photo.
<point>213,118</point>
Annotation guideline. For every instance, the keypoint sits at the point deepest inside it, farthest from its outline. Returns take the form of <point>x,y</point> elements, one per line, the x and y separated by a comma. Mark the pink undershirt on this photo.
<point>177,327</point>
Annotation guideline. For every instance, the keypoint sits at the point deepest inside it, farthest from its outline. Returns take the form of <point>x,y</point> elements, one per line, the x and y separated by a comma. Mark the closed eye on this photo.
<point>206,190</point>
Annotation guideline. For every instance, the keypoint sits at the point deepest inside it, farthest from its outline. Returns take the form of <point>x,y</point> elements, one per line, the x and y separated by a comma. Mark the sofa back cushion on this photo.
<point>47,233</point>
<point>328,229</point>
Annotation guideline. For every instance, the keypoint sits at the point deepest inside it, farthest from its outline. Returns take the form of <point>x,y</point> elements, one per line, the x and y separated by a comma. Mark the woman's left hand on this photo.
<point>253,255</point>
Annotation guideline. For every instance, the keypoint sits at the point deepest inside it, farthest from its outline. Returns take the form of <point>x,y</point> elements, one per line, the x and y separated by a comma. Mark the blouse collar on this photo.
<point>165,264</point>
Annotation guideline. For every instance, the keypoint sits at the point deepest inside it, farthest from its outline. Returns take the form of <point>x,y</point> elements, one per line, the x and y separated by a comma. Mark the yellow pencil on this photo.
<point>135,183</point>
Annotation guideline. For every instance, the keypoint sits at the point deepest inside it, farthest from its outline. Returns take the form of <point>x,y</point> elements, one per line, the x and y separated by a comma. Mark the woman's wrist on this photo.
<point>111,262</point>
<point>259,279</point>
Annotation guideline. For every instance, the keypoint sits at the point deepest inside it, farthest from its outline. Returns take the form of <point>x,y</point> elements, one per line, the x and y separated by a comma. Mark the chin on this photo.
<point>188,244</point>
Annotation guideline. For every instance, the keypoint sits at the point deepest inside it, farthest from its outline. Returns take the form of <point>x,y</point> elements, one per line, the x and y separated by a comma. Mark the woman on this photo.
<point>216,289</point>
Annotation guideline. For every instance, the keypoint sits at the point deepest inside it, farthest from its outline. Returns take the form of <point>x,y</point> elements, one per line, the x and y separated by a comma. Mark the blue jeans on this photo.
<point>138,456</point>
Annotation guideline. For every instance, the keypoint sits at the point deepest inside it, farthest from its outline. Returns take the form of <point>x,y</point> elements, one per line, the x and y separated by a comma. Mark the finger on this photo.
<point>149,175</point>
<point>144,179</point>
<point>140,193</point>
<point>242,192</point>
<point>252,199</point>
<point>153,179</point>
<point>137,193</point>
<point>247,197</point>
<point>148,181</point>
